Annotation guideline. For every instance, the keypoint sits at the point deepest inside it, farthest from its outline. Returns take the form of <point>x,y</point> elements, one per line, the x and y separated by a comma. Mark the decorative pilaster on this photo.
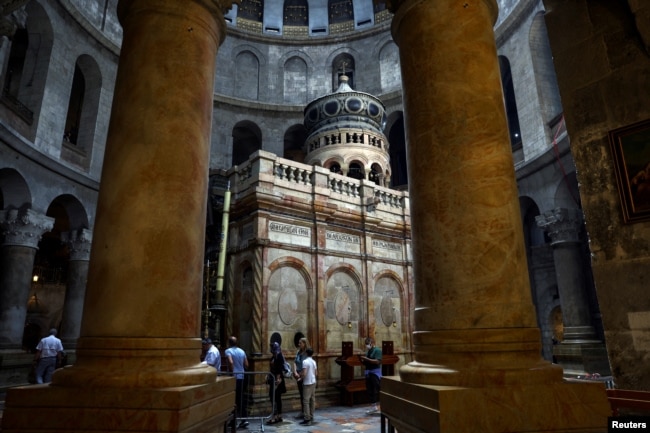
<point>137,365</point>
<point>580,350</point>
<point>21,231</point>
<point>79,243</point>
<point>477,345</point>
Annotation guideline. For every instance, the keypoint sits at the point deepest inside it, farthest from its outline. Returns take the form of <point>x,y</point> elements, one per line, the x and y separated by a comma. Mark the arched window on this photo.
<point>246,139</point>
<point>296,13</point>
<point>81,118</point>
<point>335,167</point>
<point>397,151</point>
<point>356,171</point>
<point>511,104</point>
<point>247,66</point>
<point>343,64</point>
<point>16,62</point>
<point>295,81</point>
<point>75,104</point>
<point>376,174</point>
<point>340,11</point>
<point>294,141</point>
<point>251,10</point>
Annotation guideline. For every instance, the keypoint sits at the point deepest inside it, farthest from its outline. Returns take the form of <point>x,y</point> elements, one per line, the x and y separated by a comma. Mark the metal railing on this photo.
<point>251,411</point>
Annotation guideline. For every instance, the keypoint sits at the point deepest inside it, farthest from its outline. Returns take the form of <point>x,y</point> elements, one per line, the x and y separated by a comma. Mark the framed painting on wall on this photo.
<point>631,150</point>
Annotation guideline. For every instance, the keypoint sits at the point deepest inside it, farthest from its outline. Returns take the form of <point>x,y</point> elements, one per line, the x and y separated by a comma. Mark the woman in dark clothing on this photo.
<point>275,394</point>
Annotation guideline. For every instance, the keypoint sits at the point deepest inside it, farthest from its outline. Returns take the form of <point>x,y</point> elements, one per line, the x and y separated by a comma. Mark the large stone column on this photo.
<point>478,364</point>
<point>137,365</point>
<point>79,243</point>
<point>580,350</point>
<point>22,231</point>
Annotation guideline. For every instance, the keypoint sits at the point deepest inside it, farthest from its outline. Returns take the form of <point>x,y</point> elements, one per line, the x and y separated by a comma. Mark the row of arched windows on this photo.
<point>296,12</point>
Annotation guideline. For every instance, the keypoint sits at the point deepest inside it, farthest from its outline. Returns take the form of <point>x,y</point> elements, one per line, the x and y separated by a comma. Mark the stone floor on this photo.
<point>335,419</point>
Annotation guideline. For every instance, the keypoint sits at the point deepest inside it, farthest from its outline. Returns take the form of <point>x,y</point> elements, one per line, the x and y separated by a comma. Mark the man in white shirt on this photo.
<point>48,351</point>
<point>308,373</point>
<point>212,355</point>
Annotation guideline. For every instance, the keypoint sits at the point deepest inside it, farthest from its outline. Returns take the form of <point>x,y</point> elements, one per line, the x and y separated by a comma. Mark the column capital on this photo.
<point>79,242</point>
<point>561,224</point>
<point>24,227</point>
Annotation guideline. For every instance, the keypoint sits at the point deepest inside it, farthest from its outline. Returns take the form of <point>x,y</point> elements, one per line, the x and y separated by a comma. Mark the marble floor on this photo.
<point>335,419</point>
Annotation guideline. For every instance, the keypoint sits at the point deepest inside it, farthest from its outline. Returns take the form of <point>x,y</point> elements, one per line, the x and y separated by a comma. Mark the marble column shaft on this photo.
<point>143,299</point>
<point>22,231</point>
<point>563,227</point>
<point>79,243</point>
<point>474,318</point>
<point>478,364</point>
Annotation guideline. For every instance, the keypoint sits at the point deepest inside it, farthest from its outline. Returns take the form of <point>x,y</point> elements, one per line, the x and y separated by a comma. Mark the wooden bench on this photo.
<point>628,399</point>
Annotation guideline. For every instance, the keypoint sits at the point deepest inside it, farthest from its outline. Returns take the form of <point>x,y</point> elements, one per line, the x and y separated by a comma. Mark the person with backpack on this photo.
<point>277,386</point>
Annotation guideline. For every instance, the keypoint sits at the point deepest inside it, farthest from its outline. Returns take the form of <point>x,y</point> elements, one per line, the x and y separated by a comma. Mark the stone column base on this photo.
<point>191,409</point>
<point>553,407</point>
<point>581,358</point>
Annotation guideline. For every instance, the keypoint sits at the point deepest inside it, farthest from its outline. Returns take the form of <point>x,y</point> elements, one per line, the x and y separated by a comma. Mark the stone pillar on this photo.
<point>137,360</point>
<point>79,244</point>
<point>22,231</point>
<point>563,227</point>
<point>580,350</point>
<point>478,364</point>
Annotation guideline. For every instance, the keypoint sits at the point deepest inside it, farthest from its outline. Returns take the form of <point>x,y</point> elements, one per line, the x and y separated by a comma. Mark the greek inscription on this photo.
<point>290,229</point>
<point>343,237</point>
<point>386,245</point>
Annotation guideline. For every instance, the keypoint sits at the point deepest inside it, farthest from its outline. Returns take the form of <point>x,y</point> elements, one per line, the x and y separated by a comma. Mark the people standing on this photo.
<point>309,373</point>
<point>237,364</point>
<point>212,355</point>
<point>372,364</point>
<point>301,354</point>
<point>275,392</point>
<point>48,353</point>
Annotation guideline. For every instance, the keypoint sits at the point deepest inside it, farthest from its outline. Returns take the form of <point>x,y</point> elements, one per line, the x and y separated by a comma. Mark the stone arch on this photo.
<point>247,139</point>
<point>511,107</point>
<point>389,70</point>
<point>550,104</point>
<point>345,314</point>
<point>242,300</point>
<point>247,75</point>
<point>335,60</point>
<point>296,80</point>
<point>289,298</point>
<point>38,57</point>
<point>83,109</point>
<point>52,259</point>
<point>294,143</point>
<point>334,164</point>
<point>550,323</point>
<point>388,301</point>
<point>566,192</point>
<point>397,149</point>
<point>14,191</point>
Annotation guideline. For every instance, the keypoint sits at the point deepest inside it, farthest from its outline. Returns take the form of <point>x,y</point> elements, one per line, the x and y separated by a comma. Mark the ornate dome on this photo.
<point>346,134</point>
